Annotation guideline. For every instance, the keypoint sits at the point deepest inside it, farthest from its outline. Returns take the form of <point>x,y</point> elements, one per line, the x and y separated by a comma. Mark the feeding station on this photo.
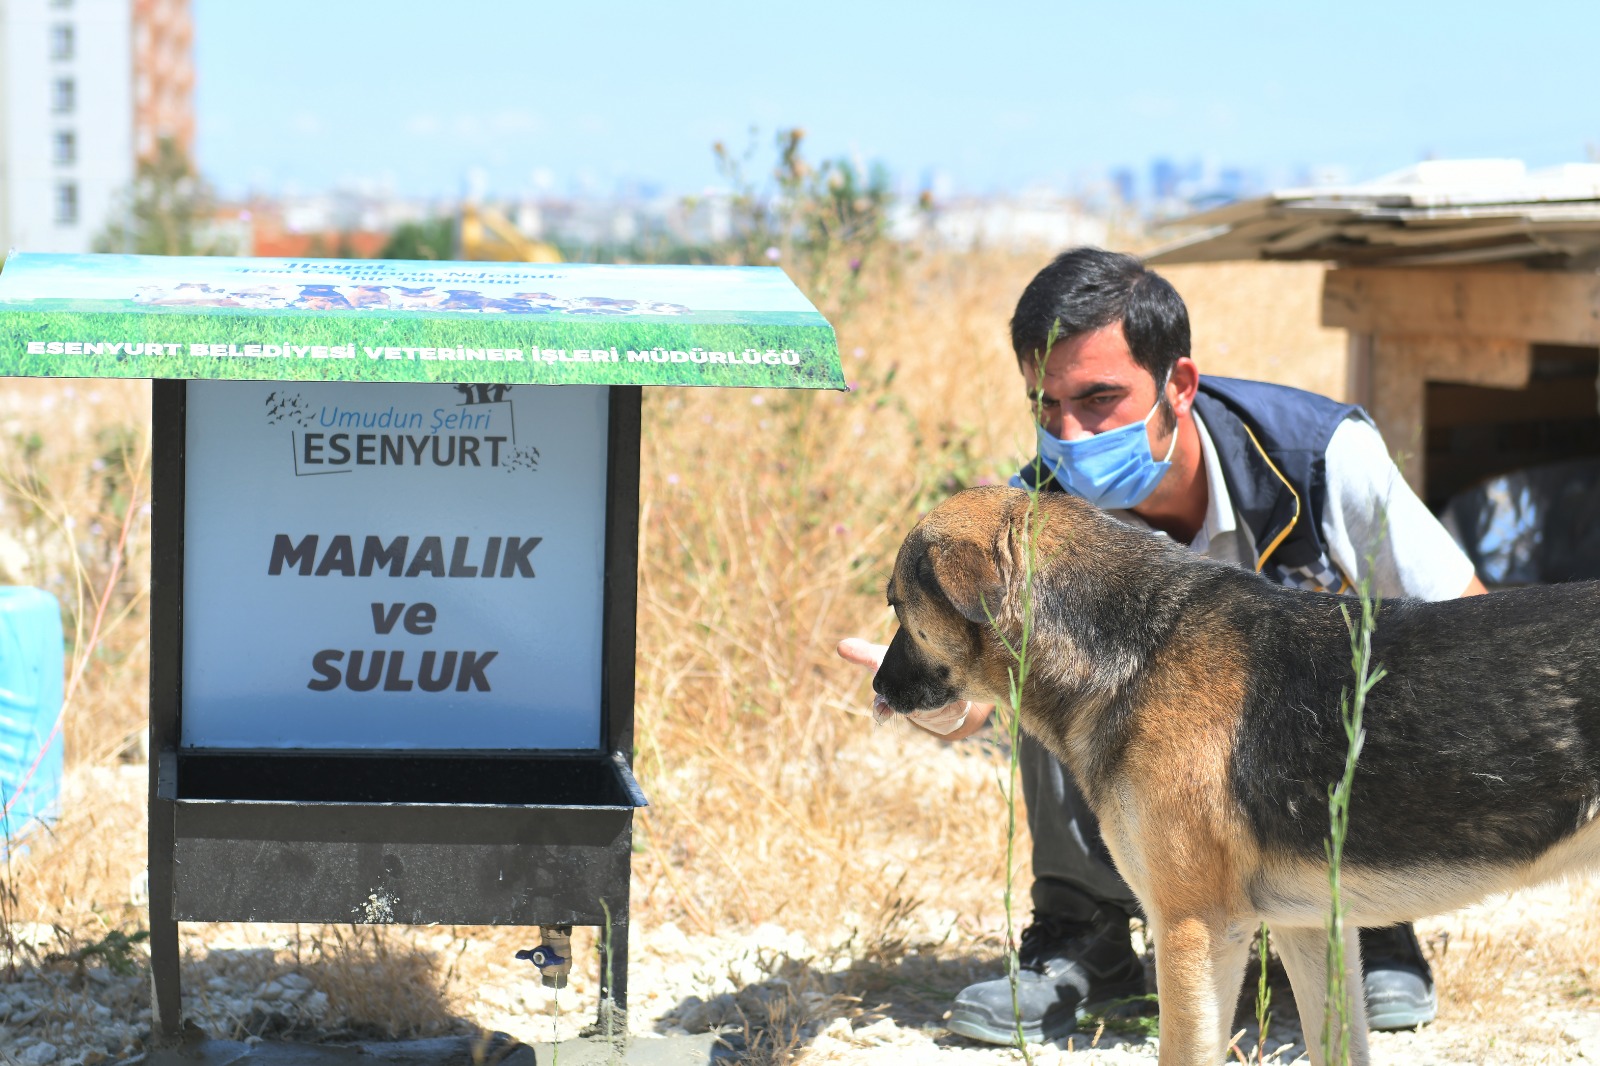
<point>394,558</point>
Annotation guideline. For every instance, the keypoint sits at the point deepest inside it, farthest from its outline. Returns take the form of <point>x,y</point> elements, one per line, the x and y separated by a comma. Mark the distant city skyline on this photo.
<point>994,98</point>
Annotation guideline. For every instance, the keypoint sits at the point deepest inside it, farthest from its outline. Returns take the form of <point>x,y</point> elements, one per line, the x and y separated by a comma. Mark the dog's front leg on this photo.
<point>1200,963</point>
<point>1304,951</point>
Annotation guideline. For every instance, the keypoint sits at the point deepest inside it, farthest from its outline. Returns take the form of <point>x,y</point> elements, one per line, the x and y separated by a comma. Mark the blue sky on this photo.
<point>993,96</point>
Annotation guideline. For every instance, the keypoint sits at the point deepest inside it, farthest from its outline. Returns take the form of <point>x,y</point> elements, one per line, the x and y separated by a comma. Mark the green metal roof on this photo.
<point>129,316</point>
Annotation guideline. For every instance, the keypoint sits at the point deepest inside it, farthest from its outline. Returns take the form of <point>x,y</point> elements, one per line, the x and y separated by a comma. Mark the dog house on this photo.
<point>1471,293</point>
<point>395,516</point>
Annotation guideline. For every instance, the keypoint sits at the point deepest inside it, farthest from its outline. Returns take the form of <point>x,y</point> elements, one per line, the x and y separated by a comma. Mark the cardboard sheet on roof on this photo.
<point>385,320</point>
<point>1448,212</point>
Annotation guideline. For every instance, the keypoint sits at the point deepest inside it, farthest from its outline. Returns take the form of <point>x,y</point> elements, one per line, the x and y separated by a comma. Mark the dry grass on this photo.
<point>74,520</point>
<point>768,525</point>
<point>1529,954</point>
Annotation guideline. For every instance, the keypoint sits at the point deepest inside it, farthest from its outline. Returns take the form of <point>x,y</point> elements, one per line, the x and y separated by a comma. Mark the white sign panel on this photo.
<point>393,565</point>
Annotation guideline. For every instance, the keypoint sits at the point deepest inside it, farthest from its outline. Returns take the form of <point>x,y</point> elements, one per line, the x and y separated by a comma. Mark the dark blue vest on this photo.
<point>1272,443</point>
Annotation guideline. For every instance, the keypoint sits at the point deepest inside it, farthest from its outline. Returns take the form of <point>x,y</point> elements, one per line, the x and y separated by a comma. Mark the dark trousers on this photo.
<point>1072,871</point>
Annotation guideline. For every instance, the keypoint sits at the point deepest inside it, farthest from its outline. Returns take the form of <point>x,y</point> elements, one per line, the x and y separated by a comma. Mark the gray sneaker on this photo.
<point>1397,980</point>
<point>1068,968</point>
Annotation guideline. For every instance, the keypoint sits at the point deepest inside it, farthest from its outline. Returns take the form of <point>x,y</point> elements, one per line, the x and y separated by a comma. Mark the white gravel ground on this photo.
<point>770,988</point>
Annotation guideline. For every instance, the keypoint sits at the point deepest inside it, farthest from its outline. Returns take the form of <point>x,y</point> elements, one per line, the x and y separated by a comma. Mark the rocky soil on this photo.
<point>1518,978</point>
<point>770,994</point>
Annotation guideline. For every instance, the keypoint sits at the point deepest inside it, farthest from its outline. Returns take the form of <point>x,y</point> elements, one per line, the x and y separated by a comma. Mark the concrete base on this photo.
<point>445,1051</point>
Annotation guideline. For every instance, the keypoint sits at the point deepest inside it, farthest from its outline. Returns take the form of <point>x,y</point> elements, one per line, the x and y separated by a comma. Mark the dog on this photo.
<point>1199,707</point>
<point>322,298</point>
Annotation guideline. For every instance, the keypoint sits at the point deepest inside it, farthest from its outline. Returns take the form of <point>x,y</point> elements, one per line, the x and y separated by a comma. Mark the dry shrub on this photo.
<point>74,471</point>
<point>74,520</point>
<point>84,874</point>
<point>379,983</point>
<point>769,521</point>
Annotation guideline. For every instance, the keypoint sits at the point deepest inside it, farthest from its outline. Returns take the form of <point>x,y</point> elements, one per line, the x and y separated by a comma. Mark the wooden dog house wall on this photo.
<point>1470,372</point>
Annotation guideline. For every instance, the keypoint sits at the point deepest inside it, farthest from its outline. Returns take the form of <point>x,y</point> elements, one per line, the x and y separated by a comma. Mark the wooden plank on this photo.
<point>1430,236</point>
<point>1494,362</point>
<point>1493,253</point>
<point>1402,365</point>
<point>1242,242</point>
<point>1396,404</point>
<point>1524,305</point>
<point>1298,240</point>
<point>1452,405</point>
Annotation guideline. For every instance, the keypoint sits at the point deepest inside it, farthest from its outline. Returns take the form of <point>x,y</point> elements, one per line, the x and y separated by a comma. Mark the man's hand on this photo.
<point>862,652</point>
<point>954,721</point>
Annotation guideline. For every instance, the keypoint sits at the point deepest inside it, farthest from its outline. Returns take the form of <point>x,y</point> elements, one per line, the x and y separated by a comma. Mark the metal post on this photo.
<point>166,995</point>
<point>166,640</point>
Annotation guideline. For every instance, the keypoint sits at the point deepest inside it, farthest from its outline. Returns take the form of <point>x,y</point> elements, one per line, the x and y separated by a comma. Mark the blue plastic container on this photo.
<point>32,666</point>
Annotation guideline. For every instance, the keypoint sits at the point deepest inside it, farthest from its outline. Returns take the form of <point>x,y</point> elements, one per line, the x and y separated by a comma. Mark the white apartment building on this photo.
<point>66,120</point>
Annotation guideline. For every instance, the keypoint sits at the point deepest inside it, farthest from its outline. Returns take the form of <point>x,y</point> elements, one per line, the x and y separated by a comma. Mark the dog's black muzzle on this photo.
<point>908,682</point>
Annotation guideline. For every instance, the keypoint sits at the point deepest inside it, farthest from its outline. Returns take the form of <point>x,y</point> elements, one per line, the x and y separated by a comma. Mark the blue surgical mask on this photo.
<point>1114,469</point>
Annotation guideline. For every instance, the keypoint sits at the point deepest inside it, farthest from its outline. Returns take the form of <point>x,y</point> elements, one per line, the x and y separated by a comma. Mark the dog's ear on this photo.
<point>966,575</point>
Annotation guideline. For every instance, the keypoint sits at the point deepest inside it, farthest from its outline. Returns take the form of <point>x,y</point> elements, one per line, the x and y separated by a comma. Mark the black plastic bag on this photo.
<point>1535,526</point>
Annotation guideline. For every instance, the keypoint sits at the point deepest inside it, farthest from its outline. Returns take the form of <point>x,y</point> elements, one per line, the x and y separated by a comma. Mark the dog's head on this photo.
<point>960,595</point>
<point>951,593</point>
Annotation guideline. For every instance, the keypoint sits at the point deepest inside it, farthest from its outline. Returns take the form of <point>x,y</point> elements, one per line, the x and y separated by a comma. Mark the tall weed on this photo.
<point>826,223</point>
<point>1335,1034</point>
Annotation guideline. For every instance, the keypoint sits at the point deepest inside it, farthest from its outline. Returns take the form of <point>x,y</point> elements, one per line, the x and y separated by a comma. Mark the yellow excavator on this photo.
<point>484,234</point>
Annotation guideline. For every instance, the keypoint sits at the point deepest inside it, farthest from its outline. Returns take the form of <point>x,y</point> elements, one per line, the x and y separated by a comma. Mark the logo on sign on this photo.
<point>478,431</point>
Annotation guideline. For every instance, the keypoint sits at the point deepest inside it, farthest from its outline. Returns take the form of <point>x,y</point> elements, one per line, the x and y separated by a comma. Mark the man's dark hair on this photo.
<point>1086,289</point>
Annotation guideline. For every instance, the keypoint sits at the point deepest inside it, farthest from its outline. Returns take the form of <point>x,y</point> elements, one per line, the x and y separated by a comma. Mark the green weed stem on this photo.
<point>1017,676</point>
<point>1263,998</point>
<point>1018,679</point>
<point>1352,707</point>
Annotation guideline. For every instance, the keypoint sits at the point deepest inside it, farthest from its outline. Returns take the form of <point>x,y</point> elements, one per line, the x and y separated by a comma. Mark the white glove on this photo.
<point>942,720</point>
